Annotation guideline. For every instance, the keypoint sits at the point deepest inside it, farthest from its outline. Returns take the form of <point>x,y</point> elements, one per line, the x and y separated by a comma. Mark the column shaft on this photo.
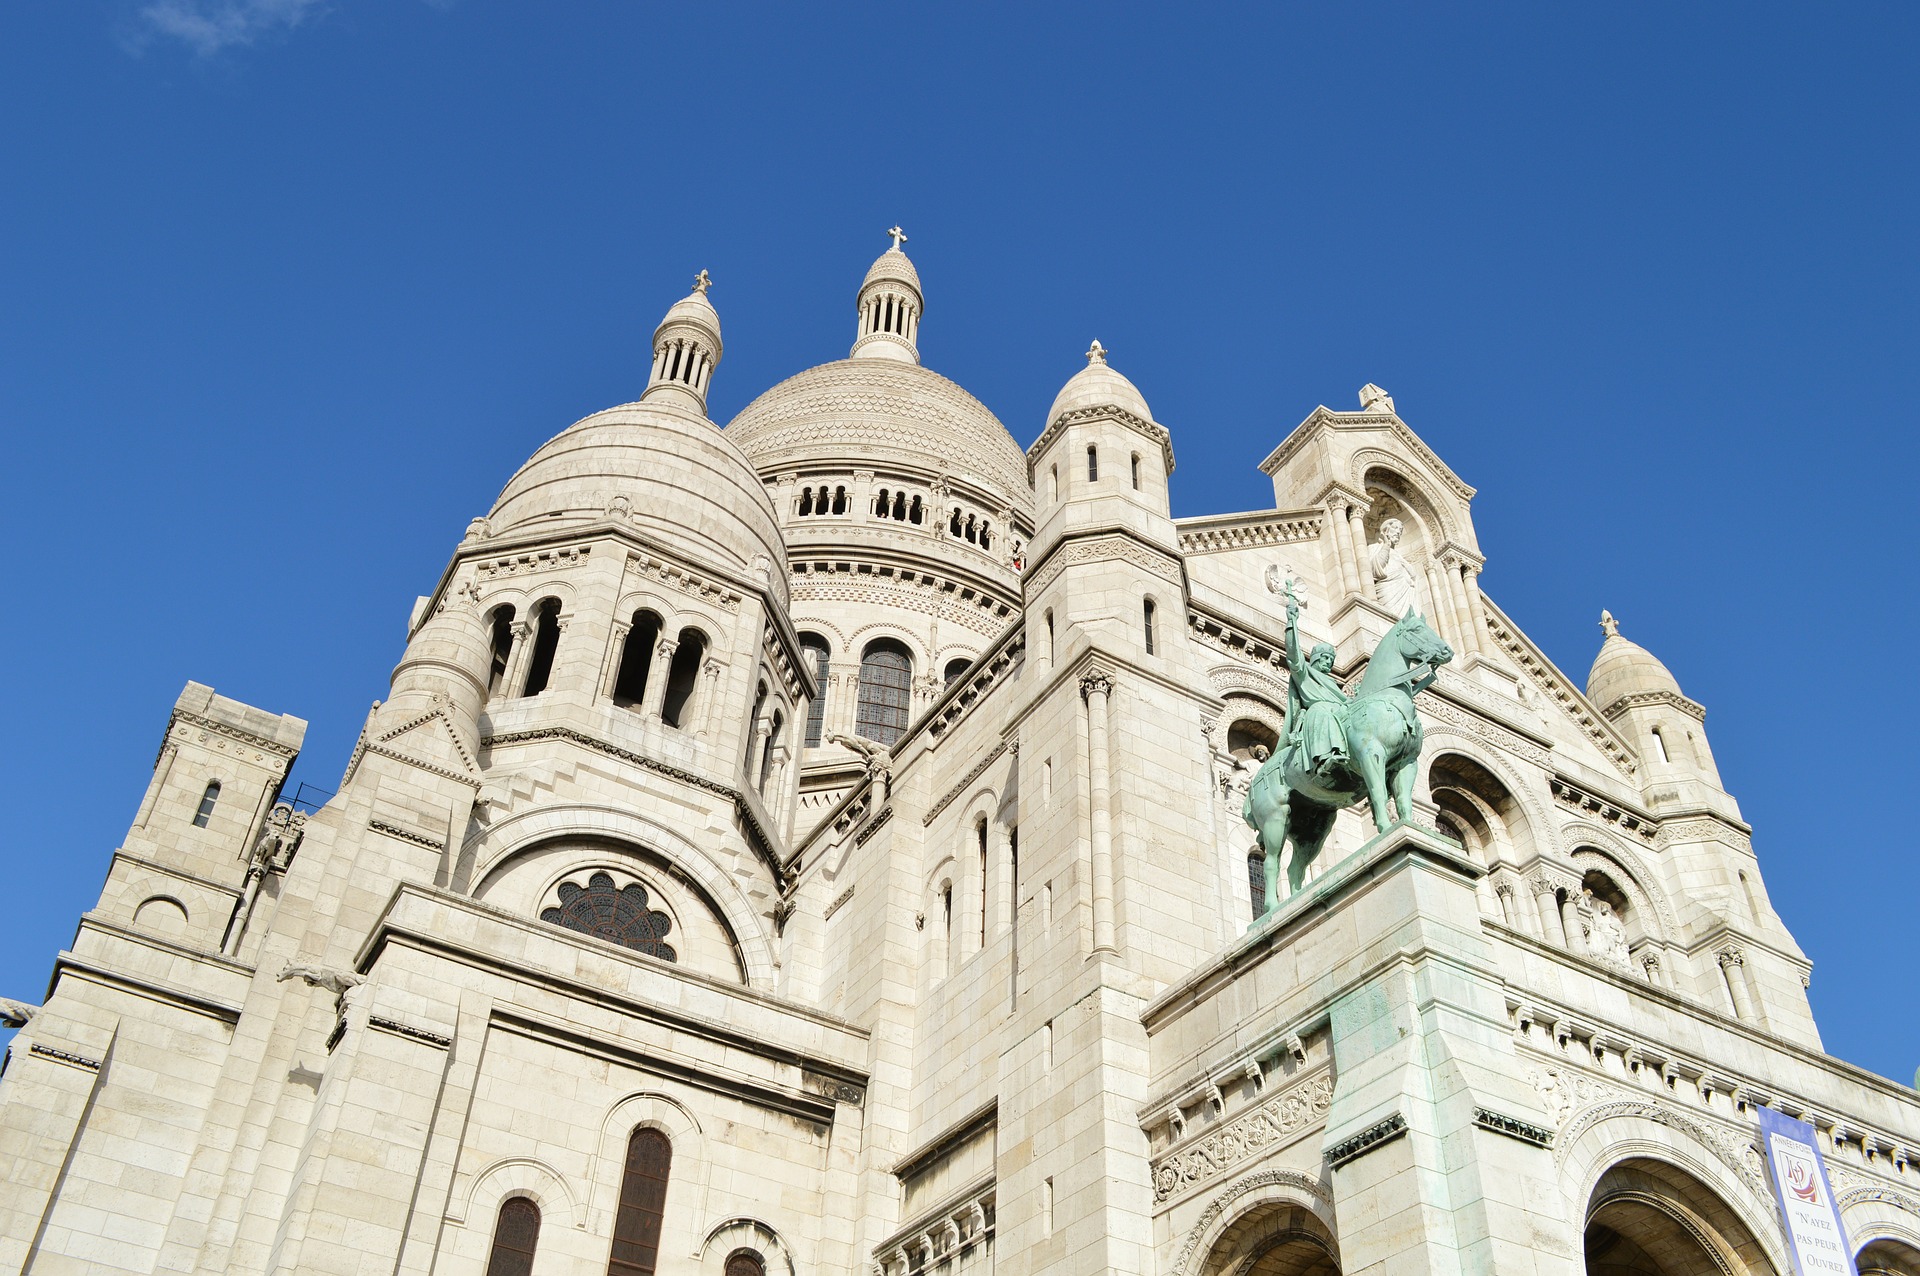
<point>1100,834</point>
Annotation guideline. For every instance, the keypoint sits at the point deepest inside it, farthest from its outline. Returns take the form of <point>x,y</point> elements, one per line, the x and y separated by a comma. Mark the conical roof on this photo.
<point>1625,668</point>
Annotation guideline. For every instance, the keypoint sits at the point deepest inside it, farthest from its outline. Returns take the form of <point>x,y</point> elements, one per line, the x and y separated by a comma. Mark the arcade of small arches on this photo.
<point>656,673</point>
<point>893,502</point>
<point>884,687</point>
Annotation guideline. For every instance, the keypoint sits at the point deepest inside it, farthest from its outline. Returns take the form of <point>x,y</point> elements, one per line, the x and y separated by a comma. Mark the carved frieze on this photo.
<point>1278,1121</point>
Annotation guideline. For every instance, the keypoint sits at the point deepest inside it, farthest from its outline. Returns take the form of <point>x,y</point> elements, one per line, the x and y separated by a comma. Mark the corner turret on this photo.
<point>686,350</point>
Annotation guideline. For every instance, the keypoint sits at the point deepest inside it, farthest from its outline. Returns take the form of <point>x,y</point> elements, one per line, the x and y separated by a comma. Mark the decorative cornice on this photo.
<point>404,1030</point>
<point>62,1056</point>
<point>1640,699</point>
<point>975,772</point>
<point>1562,692</point>
<point>687,581</point>
<point>185,717</point>
<point>1221,532</point>
<point>1512,1127</point>
<point>1325,418</point>
<point>545,560</point>
<point>1352,1149</point>
<point>1100,547</point>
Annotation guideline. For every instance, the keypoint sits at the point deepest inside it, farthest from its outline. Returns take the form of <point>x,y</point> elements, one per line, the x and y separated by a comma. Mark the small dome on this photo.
<point>894,266</point>
<point>1098,386</point>
<point>681,481</point>
<point>694,308</point>
<point>1625,668</point>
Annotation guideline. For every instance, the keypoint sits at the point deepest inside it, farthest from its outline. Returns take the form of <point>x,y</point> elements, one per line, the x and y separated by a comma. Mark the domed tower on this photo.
<point>605,684</point>
<point>906,510</point>
<point>1639,695</point>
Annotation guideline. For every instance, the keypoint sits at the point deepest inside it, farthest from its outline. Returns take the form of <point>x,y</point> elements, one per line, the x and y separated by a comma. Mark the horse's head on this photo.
<point>1418,644</point>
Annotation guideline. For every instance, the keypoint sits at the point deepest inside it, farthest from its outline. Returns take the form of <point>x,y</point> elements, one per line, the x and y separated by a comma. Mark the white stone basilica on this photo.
<point>814,847</point>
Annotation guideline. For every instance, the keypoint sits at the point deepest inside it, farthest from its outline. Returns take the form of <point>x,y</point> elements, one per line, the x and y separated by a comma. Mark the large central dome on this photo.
<point>882,411</point>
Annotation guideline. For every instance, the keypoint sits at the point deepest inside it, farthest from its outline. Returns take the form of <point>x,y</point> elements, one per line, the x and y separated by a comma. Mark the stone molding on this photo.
<point>1324,417</point>
<point>1570,700</point>
<point>1639,823</point>
<point>544,560</point>
<point>1512,1127</point>
<point>1219,533</point>
<point>1152,431</point>
<point>1310,1188</point>
<point>939,1235</point>
<point>1640,699</point>
<point>66,1057</point>
<point>965,782</point>
<point>1377,1135</point>
<point>1076,550</point>
<point>1277,1122</point>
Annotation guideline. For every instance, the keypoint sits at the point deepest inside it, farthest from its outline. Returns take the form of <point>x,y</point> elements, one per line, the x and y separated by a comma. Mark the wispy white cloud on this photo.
<point>208,26</point>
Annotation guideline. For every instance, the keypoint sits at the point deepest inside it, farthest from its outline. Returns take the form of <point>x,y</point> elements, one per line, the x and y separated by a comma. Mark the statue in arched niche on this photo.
<point>1395,583</point>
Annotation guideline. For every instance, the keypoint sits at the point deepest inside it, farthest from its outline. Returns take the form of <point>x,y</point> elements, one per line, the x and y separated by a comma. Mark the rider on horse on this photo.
<point>1316,704</point>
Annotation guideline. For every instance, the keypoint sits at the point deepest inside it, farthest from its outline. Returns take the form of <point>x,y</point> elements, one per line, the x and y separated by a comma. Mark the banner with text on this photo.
<point>1815,1236</point>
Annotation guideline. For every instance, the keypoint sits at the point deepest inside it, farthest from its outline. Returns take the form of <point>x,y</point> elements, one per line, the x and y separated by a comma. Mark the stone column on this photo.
<point>862,496</point>
<point>1552,924</point>
<point>1336,527</point>
<point>656,693</point>
<point>1570,921</point>
<point>1457,607</point>
<point>1733,970</point>
<point>708,698</point>
<point>610,667</point>
<point>1362,565</point>
<point>518,659</point>
<point>1476,611</point>
<point>1096,688</point>
<point>1440,603</point>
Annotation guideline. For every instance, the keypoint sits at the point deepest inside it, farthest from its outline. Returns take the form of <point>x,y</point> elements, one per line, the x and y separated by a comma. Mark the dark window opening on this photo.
<point>839,500</point>
<point>515,1234</point>
<point>745,1262</point>
<point>1257,880</point>
<point>682,674</point>
<point>1147,616</point>
<point>886,691</point>
<point>643,1205</point>
<point>208,800</point>
<point>620,916</point>
<point>636,659</point>
<point>1136,471</point>
<point>502,647</point>
<point>773,743</point>
<point>913,512</point>
<point>814,648</point>
<point>753,720</point>
<point>806,500</point>
<point>1093,464</point>
<point>955,668</point>
<point>546,641</point>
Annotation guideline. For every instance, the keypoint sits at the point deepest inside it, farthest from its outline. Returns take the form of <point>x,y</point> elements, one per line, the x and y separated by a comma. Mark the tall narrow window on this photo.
<point>771,752</point>
<point>913,512</point>
<point>1257,881</point>
<point>980,836</point>
<point>1146,612</point>
<point>746,1262</point>
<point>682,675</point>
<point>806,501</point>
<point>953,524</point>
<point>636,659</point>
<point>1136,471</point>
<point>900,506</point>
<point>753,723</point>
<point>886,690</point>
<point>1093,464</point>
<point>515,1233</point>
<point>643,1204</point>
<point>502,642</point>
<point>1660,745</point>
<point>208,800</point>
<point>814,648</point>
<point>839,500</point>
<point>546,641</point>
<point>956,667</point>
<point>1049,634</point>
<point>1053,483</point>
<point>880,504</point>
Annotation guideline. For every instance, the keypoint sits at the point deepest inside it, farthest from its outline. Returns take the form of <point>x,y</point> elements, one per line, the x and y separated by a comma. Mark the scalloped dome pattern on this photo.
<point>877,411</point>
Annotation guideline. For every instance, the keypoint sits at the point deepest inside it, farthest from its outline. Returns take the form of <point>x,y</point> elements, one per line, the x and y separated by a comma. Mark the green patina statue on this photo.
<point>1338,751</point>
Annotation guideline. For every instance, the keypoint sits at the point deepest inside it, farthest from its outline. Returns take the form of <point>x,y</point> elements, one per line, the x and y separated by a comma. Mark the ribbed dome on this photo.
<point>693,308</point>
<point>1096,386</point>
<point>880,411</point>
<point>893,264</point>
<point>1625,668</point>
<point>687,486</point>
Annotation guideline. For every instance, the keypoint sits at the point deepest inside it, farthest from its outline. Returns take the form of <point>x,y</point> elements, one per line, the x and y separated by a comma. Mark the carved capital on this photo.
<point>666,648</point>
<point>1096,684</point>
<point>1730,956</point>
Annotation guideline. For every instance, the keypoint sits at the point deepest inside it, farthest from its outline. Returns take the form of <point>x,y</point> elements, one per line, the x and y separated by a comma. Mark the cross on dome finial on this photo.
<point>1096,353</point>
<point>899,237</point>
<point>702,282</point>
<point>1608,624</point>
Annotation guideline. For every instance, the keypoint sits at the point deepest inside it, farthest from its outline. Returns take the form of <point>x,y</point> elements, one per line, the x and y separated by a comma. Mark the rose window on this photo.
<point>619,914</point>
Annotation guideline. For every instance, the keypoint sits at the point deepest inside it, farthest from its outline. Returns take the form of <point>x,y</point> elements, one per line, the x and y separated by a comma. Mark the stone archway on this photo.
<point>1888,1257</point>
<point>1274,1238</point>
<point>1649,1218</point>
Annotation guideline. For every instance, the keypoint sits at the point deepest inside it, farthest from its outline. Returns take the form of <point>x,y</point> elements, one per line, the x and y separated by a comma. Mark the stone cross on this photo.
<point>702,282</point>
<point>899,237</point>
<point>1374,399</point>
<point>1096,353</point>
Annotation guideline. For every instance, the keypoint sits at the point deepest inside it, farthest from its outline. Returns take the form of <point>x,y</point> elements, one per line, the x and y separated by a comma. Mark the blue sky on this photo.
<point>288,288</point>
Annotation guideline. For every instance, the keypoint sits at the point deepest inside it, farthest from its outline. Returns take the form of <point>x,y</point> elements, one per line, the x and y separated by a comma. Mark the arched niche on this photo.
<point>490,849</point>
<point>518,1176</point>
<point>1887,1256</point>
<point>736,1234</point>
<point>687,1185</point>
<point>161,915</point>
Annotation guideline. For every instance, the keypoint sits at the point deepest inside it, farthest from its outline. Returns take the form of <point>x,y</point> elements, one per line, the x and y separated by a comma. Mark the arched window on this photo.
<point>502,642</point>
<point>900,506</point>
<point>980,840</point>
<point>1053,483</point>
<point>753,721</point>
<point>1049,633</point>
<point>546,641</point>
<point>986,534</point>
<point>814,648</point>
<point>913,512</point>
<point>955,668</point>
<point>839,500</point>
<point>515,1233</point>
<point>1136,471</point>
<point>806,501</point>
<point>886,689</point>
<point>636,659</point>
<point>681,676</point>
<point>209,798</point>
<point>1093,464</point>
<point>953,524</point>
<point>643,1204</point>
<point>1146,612</point>
<point>620,916</point>
<point>880,504</point>
<point>972,531</point>
<point>773,744</point>
<point>746,1262</point>
<point>1660,746</point>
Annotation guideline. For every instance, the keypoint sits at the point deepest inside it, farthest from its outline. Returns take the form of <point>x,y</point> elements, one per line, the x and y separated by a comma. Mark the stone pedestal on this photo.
<point>1438,1150</point>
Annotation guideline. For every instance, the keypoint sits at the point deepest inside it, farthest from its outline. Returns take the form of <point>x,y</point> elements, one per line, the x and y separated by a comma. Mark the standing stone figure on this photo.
<point>1394,582</point>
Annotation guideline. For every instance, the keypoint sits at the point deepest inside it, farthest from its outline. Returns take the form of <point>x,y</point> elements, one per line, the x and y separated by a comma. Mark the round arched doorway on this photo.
<point>1648,1218</point>
<point>1274,1238</point>
<point>1888,1258</point>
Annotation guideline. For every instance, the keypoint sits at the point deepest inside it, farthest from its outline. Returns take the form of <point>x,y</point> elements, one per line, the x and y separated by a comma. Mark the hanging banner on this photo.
<point>1815,1236</point>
